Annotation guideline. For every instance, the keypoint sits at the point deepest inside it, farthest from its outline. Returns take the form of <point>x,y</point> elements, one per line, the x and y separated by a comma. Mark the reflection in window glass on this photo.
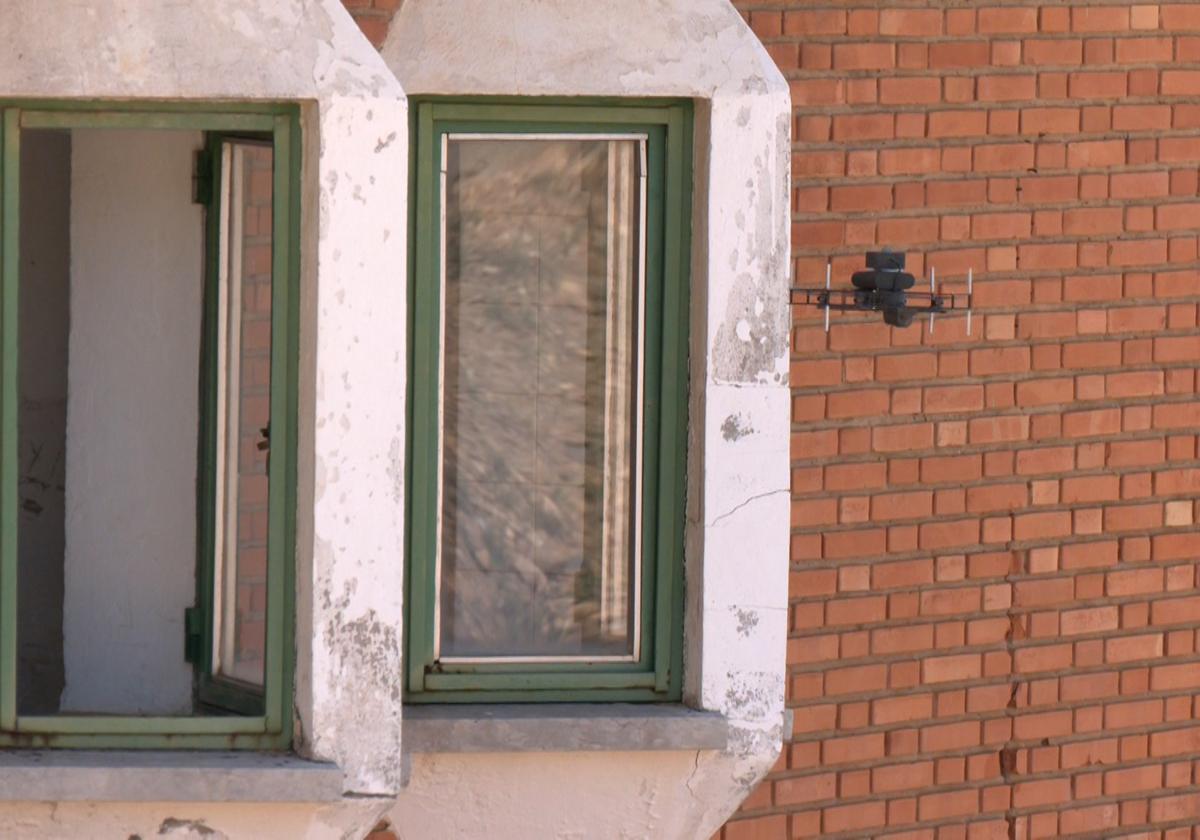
<point>541,358</point>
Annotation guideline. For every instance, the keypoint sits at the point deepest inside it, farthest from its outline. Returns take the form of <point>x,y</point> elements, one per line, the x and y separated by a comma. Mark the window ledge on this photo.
<point>145,776</point>
<point>560,727</point>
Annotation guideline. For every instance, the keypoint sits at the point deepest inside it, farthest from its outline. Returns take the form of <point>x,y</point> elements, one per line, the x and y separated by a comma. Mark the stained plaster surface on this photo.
<point>348,819</point>
<point>737,538</point>
<point>352,343</point>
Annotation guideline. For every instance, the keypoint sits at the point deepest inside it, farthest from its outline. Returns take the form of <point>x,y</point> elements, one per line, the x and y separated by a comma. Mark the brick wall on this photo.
<point>373,16</point>
<point>994,558</point>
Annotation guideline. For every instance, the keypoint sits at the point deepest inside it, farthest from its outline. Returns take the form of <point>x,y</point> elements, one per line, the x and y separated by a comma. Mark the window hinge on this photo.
<point>193,635</point>
<point>202,178</point>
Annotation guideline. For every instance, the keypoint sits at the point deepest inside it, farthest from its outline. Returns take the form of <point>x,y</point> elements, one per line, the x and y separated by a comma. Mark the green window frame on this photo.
<point>654,672</point>
<point>269,727</point>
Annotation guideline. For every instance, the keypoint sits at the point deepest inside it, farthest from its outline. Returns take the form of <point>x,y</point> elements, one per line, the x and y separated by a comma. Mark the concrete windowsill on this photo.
<point>560,727</point>
<point>154,776</point>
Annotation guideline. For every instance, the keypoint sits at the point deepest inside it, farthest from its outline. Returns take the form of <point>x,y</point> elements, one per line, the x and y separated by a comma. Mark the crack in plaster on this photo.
<point>741,505</point>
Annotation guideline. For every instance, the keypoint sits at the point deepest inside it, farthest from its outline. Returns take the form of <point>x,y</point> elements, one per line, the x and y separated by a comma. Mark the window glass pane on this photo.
<point>243,412</point>
<point>540,369</point>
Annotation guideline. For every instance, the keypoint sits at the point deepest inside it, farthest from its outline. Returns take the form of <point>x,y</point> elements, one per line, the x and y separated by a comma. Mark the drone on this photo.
<point>884,287</point>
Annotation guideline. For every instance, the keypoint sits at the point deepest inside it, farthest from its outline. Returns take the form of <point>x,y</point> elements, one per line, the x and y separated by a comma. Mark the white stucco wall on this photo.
<point>353,367</point>
<point>738,513</point>
<point>352,345</point>
<point>188,820</point>
<point>137,278</point>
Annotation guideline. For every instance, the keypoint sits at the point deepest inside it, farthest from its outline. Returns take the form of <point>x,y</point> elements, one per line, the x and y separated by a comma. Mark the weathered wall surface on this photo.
<point>737,493</point>
<point>994,545</point>
<point>351,468</point>
<point>738,436</point>
<point>188,820</point>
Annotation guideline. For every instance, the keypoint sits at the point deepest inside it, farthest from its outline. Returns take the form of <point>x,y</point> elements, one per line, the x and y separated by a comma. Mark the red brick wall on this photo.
<point>993,626</point>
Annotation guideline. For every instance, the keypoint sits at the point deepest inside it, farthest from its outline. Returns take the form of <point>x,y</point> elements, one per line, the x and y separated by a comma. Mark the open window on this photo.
<point>549,380</point>
<point>148,394</point>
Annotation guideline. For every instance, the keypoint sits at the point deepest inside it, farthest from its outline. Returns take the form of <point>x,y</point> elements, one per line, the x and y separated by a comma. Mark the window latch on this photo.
<point>193,635</point>
<point>202,178</point>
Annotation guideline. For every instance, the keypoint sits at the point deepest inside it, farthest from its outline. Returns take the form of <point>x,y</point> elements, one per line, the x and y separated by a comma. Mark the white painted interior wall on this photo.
<point>137,263</point>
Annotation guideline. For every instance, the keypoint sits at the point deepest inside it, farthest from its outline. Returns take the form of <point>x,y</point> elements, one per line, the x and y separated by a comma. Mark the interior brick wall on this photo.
<point>994,606</point>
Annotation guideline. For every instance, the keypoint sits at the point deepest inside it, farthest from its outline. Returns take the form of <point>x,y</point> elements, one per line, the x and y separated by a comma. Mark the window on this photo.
<point>147,383</point>
<point>547,399</point>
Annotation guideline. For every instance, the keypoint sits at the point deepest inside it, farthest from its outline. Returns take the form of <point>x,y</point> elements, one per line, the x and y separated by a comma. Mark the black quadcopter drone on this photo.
<point>884,287</point>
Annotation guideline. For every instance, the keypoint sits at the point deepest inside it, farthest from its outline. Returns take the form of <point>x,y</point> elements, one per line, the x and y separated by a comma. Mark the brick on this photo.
<point>957,124</point>
<point>1006,88</point>
<point>1045,460</point>
<point>898,438</point>
<point>864,56</point>
<point>1044,658</point>
<point>997,497</point>
<point>1133,582</point>
<point>941,535</point>
<point>1044,792</point>
<point>1178,807</point>
<point>1093,19</point>
<point>857,404</point>
<point>1001,157</point>
<point>1040,593</point>
<point>855,679</point>
<point>814,22</point>
<point>1180,82</point>
<point>1092,620</point>
<point>848,199</point>
<point>1055,724</point>
<point>891,710</point>
<point>1007,20</point>
<point>839,477</point>
<point>1093,220</point>
<point>909,161</point>
<point>946,55</point>
<point>1139,185</point>
<point>853,748</point>
<point>855,817</point>
<point>1133,648</point>
<point>933,806</point>
<point>1095,153</point>
<point>1104,421</point>
<point>939,669</point>
<point>1039,392</point>
<point>994,430</point>
<point>758,828</point>
<point>860,543</point>
<point>911,91</point>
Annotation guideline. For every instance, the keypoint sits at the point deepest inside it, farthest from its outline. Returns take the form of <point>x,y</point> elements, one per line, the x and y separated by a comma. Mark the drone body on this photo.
<point>884,287</point>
